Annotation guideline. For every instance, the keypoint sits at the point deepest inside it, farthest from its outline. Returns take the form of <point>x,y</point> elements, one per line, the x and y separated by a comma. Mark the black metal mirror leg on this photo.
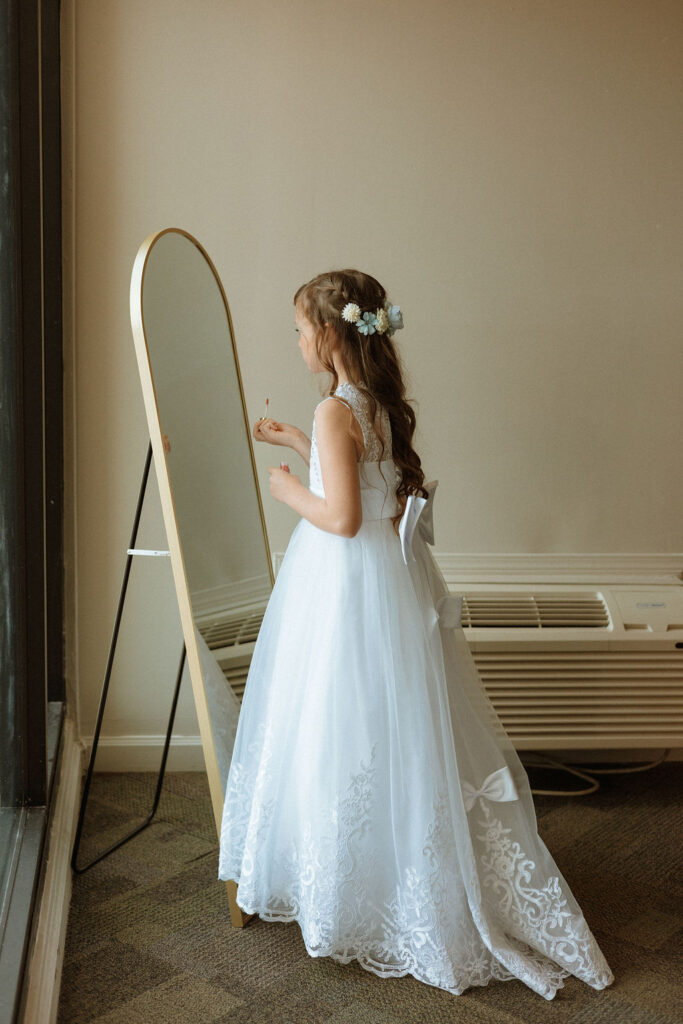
<point>105,689</point>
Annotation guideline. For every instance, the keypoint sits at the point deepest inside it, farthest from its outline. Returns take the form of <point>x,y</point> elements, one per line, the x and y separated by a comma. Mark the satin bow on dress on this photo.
<point>499,785</point>
<point>418,516</point>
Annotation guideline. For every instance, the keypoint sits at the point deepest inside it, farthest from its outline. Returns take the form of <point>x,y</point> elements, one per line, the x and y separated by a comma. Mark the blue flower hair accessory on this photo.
<point>386,318</point>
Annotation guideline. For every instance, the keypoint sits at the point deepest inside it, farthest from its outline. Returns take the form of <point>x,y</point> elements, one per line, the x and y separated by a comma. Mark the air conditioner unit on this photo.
<point>568,666</point>
<point>580,667</point>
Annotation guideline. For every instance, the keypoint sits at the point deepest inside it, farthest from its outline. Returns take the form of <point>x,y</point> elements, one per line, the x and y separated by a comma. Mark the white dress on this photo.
<point>373,794</point>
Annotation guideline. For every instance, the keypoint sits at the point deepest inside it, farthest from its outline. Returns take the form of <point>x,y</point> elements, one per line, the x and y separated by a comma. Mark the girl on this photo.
<point>373,794</point>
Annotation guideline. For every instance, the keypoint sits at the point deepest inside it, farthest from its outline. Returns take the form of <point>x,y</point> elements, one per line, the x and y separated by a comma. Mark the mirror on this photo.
<point>206,472</point>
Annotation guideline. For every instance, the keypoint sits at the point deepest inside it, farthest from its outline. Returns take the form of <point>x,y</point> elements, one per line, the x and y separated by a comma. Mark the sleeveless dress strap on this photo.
<point>358,402</point>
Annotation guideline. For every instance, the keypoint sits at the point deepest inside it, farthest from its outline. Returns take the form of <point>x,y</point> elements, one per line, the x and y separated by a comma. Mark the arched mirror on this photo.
<point>206,472</point>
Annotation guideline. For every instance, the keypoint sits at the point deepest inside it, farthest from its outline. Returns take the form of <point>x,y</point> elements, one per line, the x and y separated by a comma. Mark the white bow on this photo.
<point>417,511</point>
<point>499,785</point>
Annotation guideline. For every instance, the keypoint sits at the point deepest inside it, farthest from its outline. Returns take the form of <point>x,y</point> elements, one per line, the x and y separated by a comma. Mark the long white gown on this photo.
<point>373,794</point>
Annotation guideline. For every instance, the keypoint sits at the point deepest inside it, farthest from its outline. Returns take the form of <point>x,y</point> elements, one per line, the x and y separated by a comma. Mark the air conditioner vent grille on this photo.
<point>534,611</point>
<point>232,631</point>
<point>237,680</point>
<point>584,698</point>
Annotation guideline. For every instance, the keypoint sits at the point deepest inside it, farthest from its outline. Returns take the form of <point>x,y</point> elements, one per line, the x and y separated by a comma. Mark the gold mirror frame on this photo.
<point>237,916</point>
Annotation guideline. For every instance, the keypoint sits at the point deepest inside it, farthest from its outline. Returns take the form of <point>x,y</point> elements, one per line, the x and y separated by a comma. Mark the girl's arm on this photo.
<point>340,511</point>
<point>302,445</point>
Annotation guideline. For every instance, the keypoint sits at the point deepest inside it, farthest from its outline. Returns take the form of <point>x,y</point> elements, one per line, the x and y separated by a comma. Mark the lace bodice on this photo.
<point>357,399</point>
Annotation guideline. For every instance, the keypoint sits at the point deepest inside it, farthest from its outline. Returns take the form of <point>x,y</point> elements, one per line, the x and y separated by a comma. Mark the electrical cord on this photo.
<point>540,760</point>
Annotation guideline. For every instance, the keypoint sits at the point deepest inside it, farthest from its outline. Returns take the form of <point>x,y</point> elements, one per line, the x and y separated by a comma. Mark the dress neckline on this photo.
<point>350,383</point>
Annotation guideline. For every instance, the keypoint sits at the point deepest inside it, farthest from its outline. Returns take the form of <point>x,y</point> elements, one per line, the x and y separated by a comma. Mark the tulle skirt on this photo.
<point>373,794</point>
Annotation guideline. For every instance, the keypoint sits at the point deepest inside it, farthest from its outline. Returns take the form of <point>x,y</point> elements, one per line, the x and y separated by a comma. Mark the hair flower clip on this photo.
<point>351,312</point>
<point>383,321</point>
<point>367,324</point>
<point>395,317</point>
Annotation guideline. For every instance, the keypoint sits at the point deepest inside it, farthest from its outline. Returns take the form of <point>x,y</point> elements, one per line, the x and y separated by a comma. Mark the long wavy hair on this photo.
<point>371,358</point>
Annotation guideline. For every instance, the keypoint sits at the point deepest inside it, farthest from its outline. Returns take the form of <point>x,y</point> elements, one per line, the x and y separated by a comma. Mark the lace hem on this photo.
<point>421,919</point>
<point>555,978</point>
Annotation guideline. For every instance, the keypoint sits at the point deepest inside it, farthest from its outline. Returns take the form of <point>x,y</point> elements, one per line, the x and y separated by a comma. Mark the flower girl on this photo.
<point>373,795</point>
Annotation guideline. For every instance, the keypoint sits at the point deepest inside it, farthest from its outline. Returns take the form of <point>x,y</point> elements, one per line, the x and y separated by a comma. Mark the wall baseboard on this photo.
<point>142,753</point>
<point>185,754</point>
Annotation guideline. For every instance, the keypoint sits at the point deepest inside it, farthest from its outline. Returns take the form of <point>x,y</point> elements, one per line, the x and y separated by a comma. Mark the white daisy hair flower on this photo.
<point>351,312</point>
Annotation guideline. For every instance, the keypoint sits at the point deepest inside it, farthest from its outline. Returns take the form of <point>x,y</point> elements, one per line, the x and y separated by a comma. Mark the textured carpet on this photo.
<point>149,936</point>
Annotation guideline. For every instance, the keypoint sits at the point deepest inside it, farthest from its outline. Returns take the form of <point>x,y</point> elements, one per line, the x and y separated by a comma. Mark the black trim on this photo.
<point>53,358</point>
<point>31,617</point>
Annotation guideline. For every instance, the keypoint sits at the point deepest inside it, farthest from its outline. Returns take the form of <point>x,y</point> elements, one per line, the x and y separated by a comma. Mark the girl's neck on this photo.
<point>342,376</point>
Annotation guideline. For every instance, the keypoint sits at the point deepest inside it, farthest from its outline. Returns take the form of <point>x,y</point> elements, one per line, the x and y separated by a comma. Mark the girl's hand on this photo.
<point>282,483</point>
<point>274,432</point>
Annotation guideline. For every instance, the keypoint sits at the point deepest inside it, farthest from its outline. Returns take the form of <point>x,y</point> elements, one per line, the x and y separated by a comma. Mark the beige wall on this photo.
<point>512,174</point>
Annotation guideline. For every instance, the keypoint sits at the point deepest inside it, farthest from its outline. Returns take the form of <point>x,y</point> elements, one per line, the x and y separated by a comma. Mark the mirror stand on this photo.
<point>237,916</point>
<point>132,551</point>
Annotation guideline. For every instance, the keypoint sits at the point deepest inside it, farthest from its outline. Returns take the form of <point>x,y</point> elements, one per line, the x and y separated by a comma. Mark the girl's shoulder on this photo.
<point>327,399</point>
<point>350,396</point>
<point>356,398</point>
<point>355,428</point>
<point>326,402</point>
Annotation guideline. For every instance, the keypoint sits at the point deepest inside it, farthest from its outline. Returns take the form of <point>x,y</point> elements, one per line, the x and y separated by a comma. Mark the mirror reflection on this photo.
<point>221,528</point>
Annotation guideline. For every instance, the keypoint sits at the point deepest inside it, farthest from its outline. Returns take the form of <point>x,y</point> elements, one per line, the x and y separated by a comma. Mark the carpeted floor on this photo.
<point>149,936</point>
